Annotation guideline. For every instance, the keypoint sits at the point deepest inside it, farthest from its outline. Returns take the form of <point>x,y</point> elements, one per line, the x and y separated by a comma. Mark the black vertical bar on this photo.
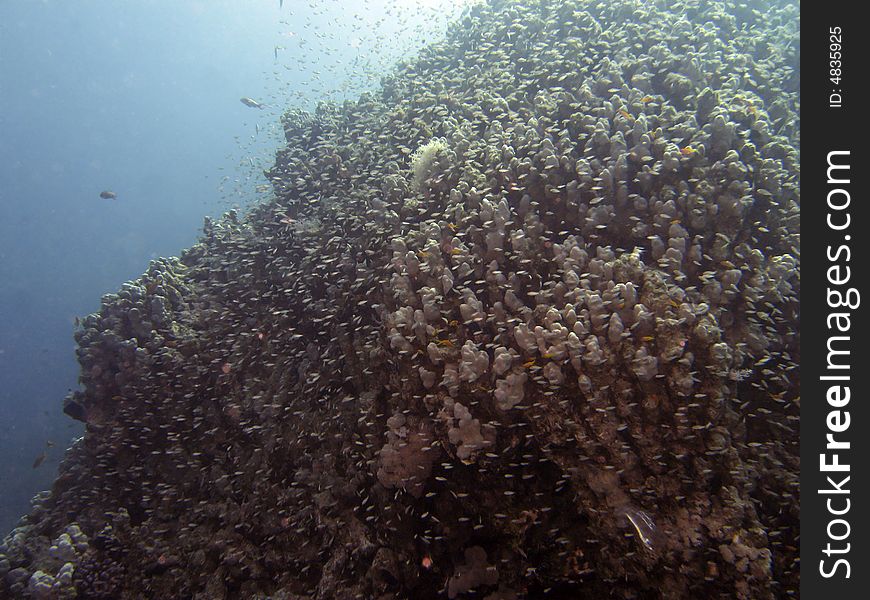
<point>835,562</point>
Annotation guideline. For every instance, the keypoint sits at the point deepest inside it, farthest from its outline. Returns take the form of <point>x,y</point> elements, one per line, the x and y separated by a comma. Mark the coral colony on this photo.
<point>522,323</point>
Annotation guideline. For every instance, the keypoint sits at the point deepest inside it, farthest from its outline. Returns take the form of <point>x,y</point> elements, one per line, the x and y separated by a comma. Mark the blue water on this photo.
<point>142,98</point>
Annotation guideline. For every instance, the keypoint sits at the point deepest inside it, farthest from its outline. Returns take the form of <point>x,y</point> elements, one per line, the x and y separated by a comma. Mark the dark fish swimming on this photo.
<point>252,103</point>
<point>39,460</point>
<point>108,195</point>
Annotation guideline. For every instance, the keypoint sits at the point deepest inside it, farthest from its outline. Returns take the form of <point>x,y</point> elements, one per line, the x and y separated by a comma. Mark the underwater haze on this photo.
<point>142,99</point>
<point>496,301</point>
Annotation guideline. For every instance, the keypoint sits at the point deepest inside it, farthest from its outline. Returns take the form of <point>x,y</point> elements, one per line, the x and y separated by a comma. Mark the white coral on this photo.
<point>425,159</point>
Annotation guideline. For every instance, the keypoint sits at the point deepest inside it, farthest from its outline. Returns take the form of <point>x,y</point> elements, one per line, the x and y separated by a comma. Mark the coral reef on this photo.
<point>552,355</point>
<point>475,572</point>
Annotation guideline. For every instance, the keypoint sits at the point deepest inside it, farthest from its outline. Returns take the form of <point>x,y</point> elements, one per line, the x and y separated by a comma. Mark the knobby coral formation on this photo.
<point>555,360</point>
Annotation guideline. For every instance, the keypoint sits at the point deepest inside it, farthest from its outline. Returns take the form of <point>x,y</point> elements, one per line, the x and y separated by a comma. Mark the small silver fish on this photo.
<point>108,195</point>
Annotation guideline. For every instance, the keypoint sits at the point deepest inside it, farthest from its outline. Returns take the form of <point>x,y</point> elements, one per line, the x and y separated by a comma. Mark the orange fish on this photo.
<point>687,151</point>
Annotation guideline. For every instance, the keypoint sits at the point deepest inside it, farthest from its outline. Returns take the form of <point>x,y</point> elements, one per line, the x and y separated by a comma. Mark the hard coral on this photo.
<point>573,318</point>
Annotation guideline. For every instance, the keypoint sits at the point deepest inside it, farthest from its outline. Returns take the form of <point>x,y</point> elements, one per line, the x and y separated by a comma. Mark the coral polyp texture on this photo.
<point>550,356</point>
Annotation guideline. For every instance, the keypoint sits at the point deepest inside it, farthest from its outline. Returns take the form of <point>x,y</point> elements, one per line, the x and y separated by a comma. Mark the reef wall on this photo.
<point>521,324</point>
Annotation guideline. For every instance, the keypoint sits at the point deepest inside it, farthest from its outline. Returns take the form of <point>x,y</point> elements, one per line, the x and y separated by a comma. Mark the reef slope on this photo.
<point>521,324</point>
